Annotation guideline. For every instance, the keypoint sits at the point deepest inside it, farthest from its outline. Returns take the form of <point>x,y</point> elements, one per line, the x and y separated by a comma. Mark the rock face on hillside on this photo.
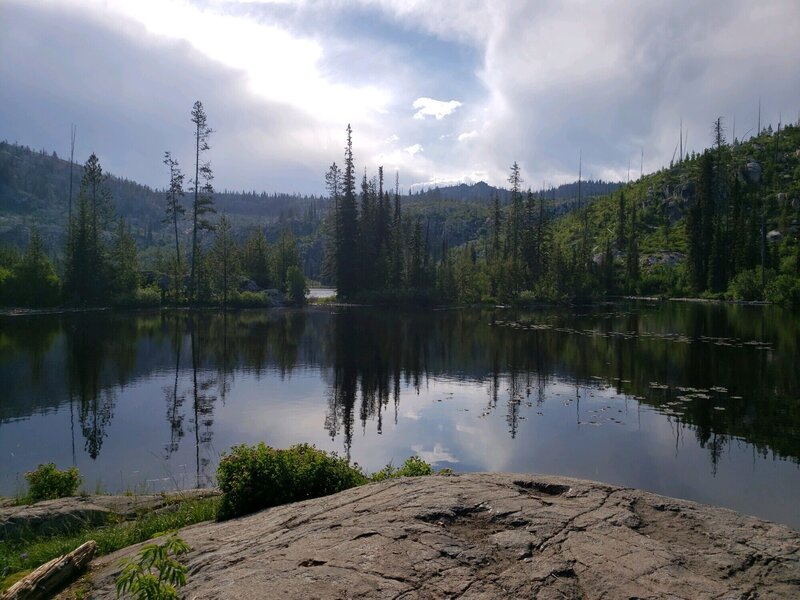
<point>486,536</point>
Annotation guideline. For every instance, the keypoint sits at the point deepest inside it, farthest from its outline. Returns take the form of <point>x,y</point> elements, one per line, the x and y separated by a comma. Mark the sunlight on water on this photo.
<point>690,401</point>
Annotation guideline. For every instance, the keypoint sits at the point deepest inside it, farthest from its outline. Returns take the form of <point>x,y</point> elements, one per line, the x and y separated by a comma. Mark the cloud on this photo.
<point>281,81</point>
<point>613,81</point>
<point>428,107</point>
<point>436,455</point>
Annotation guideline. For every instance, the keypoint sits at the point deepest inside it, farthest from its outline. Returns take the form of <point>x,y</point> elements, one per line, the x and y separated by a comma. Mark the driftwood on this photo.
<point>51,576</point>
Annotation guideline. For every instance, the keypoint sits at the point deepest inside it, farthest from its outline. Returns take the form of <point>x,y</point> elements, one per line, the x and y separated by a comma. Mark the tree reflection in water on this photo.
<point>724,373</point>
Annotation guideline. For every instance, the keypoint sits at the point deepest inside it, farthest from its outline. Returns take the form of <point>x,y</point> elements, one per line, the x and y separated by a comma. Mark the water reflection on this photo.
<point>725,375</point>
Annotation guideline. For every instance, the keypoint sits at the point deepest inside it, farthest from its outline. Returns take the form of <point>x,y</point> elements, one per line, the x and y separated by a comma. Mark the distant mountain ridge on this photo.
<point>483,192</point>
<point>34,190</point>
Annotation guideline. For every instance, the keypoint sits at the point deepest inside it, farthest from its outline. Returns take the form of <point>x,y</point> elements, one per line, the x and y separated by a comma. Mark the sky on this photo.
<point>440,92</point>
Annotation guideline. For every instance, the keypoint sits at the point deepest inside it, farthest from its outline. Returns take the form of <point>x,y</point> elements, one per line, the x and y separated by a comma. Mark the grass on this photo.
<point>25,554</point>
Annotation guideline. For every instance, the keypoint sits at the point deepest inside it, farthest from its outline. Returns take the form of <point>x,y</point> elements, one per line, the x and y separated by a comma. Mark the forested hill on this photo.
<point>34,190</point>
<point>726,221</point>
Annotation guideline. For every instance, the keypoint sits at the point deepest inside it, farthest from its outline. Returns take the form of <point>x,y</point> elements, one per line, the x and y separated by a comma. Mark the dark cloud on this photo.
<point>130,95</point>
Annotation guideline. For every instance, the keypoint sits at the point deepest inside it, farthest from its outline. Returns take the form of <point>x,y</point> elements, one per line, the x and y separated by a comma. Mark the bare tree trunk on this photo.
<point>52,576</point>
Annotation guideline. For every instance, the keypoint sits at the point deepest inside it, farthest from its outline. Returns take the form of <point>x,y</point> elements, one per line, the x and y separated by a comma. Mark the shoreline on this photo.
<point>27,312</point>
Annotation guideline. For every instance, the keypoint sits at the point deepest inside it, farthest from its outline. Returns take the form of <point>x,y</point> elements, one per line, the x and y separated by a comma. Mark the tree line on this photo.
<point>101,261</point>
<point>723,224</point>
<point>703,224</point>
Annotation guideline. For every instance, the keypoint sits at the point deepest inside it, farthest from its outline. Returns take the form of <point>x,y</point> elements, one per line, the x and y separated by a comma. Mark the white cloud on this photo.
<point>462,137</point>
<point>436,455</point>
<point>612,85</point>
<point>281,83</point>
<point>439,109</point>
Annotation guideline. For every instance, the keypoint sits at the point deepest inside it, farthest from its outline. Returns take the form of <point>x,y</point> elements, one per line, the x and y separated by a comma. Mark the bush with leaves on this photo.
<point>746,286</point>
<point>155,573</point>
<point>784,290</point>
<point>296,288</point>
<point>255,477</point>
<point>413,467</point>
<point>48,483</point>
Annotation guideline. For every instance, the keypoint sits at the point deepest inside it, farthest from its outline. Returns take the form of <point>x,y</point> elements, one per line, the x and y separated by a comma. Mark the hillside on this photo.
<point>755,191</point>
<point>34,190</point>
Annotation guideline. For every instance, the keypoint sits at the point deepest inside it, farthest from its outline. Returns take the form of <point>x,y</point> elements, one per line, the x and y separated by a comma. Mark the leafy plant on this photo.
<point>256,477</point>
<point>414,466</point>
<point>155,573</point>
<point>783,289</point>
<point>48,483</point>
<point>746,286</point>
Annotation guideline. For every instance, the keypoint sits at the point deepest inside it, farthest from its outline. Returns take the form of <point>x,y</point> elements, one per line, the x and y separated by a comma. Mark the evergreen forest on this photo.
<point>721,224</point>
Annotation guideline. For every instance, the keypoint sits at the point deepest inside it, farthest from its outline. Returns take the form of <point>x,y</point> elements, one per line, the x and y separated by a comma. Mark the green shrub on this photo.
<point>48,483</point>
<point>144,297</point>
<point>783,289</point>
<point>155,573</point>
<point>660,279</point>
<point>256,477</point>
<point>250,300</point>
<point>296,288</point>
<point>746,286</point>
<point>413,467</point>
<point>148,296</point>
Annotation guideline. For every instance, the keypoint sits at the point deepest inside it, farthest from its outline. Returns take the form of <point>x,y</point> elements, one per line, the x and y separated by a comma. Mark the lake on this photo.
<point>691,400</point>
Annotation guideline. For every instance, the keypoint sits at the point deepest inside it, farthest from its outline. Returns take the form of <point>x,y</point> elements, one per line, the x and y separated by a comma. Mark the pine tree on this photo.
<point>86,278</point>
<point>543,240</point>
<point>529,254</point>
<point>34,281</point>
<point>445,281</point>
<point>632,260</point>
<point>331,226</point>
<point>256,259</point>
<point>346,247</point>
<point>621,221</point>
<point>397,263</point>
<point>202,190</point>
<point>515,225</point>
<point>174,211</point>
<point>124,263</point>
<point>366,235</point>
<point>224,259</point>
<point>415,272</point>
<point>286,256</point>
<point>495,258</point>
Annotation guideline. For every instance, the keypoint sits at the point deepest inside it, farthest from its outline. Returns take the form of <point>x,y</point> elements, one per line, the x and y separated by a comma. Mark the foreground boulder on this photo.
<point>485,536</point>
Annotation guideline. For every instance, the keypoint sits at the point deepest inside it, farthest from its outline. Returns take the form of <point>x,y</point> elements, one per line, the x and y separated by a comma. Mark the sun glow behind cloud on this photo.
<point>281,80</point>
<point>278,65</point>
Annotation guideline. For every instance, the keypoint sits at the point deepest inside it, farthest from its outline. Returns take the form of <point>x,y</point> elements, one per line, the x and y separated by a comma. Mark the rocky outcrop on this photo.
<point>68,514</point>
<point>486,536</point>
<point>50,517</point>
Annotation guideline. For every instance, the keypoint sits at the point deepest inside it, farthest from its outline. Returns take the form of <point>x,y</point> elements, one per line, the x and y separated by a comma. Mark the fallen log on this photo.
<point>52,576</point>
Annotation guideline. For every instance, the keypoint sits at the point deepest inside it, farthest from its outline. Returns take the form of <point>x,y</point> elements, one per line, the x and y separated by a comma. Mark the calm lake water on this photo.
<point>689,400</point>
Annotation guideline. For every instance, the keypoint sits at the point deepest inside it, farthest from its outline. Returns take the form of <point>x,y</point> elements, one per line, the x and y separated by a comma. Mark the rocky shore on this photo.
<point>483,536</point>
